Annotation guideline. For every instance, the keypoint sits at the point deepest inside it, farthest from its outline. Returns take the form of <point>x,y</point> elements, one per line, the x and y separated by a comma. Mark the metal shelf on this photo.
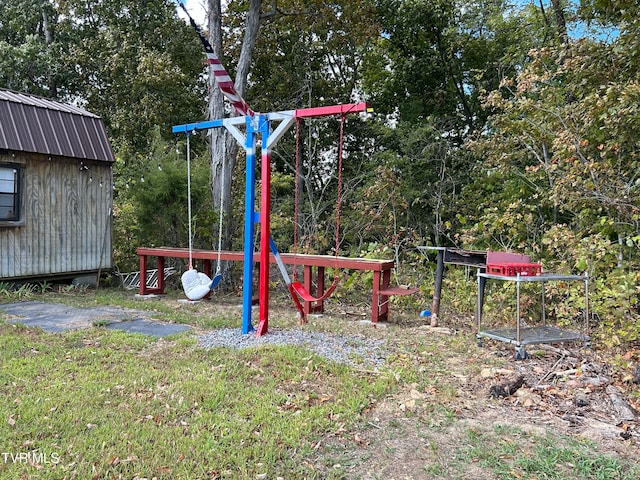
<point>521,336</point>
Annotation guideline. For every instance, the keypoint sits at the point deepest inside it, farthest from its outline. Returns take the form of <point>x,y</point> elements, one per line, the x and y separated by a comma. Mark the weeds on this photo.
<point>510,453</point>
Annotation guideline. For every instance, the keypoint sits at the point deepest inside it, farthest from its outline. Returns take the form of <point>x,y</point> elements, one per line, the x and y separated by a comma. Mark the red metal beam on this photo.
<point>331,110</point>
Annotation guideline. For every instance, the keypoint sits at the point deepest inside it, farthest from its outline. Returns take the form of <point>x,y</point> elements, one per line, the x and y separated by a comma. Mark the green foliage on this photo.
<point>613,294</point>
<point>563,140</point>
<point>152,210</point>
<point>308,52</point>
<point>520,456</point>
<point>435,58</point>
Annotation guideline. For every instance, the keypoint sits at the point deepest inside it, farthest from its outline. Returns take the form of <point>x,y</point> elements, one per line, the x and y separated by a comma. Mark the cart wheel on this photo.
<point>521,353</point>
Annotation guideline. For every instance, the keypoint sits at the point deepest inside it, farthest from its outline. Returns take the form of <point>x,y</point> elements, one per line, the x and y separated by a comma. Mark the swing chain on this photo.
<point>296,199</point>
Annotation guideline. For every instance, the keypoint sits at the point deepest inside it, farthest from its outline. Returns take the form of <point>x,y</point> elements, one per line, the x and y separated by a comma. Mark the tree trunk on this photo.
<point>48,39</point>
<point>561,22</point>
<point>224,148</point>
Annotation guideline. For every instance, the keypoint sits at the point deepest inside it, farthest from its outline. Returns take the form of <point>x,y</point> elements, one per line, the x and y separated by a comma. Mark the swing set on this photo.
<point>247,129</point>
<point>197,285</point>
<point>269,128</point>
<point>296,288</point>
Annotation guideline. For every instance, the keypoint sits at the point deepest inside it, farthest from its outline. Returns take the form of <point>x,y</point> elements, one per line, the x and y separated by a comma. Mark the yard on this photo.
<point>102,404</point>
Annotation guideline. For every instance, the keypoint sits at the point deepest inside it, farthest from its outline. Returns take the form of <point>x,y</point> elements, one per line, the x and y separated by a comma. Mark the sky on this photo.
<point>196,9</point>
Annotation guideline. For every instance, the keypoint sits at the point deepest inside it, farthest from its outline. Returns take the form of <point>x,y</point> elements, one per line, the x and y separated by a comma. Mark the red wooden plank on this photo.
<point>399,291</point>
<point>287,258</point>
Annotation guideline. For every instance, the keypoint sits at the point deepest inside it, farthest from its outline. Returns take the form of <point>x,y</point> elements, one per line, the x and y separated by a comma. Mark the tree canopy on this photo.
<point>498,124</point>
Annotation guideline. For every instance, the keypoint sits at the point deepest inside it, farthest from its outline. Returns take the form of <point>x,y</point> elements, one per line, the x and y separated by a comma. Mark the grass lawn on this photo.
<point>102,404</point>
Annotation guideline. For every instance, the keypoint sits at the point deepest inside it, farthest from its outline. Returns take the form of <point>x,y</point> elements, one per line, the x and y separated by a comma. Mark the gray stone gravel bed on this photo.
<point>352,350</point>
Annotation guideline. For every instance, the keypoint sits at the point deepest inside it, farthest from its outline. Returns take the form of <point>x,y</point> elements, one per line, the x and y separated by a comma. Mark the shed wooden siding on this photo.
<point>67,219</point>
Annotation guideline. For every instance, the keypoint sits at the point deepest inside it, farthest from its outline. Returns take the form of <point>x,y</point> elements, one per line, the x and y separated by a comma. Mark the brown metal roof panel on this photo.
<point>91,141</point>
<point>42,102</point>
<point>32,135</point>
<point>40,125</point>
<point>70,124</point>
<point>49,134</point>
<point>4,119</point>
<point>60,133</point>
<point>13,125</point>
<point>98,139</point>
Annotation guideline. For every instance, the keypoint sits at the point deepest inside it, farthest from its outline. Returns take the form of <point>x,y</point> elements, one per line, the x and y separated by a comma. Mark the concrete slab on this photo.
<point>53,317</point>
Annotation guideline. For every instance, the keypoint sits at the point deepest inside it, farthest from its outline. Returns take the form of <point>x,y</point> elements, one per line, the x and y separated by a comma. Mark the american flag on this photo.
<point>223,79</point>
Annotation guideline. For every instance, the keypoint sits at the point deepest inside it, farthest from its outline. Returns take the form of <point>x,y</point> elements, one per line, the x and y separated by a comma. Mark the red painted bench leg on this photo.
<point>314,307</point>
<point>308,272</point>
<point>160,288</point>
<point>375,298</point>
<point>319,307</point>
<point>143,274</point>
<point>144,290</point>
<point>380,303</point>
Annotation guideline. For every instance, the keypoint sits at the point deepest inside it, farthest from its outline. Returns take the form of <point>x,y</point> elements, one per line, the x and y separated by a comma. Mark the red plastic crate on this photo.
<point>513,269</point>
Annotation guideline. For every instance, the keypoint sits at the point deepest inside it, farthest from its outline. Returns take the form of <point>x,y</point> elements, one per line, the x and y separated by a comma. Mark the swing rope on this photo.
<point>189,200</point>
<point>296,200</point>
<point>196,285</point>
<point>222,185</point>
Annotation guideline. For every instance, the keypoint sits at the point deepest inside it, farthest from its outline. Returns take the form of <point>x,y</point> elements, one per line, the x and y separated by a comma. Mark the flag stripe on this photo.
<point>220,74</point>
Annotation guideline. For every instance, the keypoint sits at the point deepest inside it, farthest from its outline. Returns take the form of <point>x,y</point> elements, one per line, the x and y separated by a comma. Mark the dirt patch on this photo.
<point>431,428</point>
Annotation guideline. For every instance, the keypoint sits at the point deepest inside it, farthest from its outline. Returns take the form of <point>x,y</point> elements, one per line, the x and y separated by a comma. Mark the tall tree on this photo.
<point>427,72</point>
<point>293,63</point>
<point>121,59</point>
<point>224,148</point>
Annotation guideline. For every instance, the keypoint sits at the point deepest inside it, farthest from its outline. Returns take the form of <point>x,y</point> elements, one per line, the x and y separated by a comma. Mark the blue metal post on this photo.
<point>249,226</point>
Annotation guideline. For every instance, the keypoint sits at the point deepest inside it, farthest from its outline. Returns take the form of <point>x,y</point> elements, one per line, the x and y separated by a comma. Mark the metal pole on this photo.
<point>265,227</point>
<point>586,309</point>
<point>435,307</point>
<point>479,301</point>
<point>518,310</point>
<point>249,228</point>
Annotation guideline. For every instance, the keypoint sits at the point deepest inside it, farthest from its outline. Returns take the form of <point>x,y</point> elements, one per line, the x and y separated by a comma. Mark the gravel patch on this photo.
<point>352,350</point>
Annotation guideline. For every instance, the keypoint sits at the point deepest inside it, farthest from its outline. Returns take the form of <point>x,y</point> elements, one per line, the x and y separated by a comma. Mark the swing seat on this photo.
<point>196,285</point>
<point>306,296</point>
<point>215,281</point>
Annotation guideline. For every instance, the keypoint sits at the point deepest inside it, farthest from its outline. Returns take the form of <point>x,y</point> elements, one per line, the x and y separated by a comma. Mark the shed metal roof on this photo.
<point>29,123</point>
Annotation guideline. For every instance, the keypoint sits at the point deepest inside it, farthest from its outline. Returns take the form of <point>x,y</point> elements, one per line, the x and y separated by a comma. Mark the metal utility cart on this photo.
<point>523,336</point>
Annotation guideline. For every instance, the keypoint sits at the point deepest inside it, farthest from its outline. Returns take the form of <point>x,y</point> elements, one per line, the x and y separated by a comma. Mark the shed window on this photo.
<point>9,193</point>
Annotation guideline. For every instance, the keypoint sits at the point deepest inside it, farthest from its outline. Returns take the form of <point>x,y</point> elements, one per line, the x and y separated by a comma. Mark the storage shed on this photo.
<point>55,190</point>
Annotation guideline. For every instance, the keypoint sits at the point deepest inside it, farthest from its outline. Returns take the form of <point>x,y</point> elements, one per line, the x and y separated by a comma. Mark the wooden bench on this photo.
<point>381,269</point>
